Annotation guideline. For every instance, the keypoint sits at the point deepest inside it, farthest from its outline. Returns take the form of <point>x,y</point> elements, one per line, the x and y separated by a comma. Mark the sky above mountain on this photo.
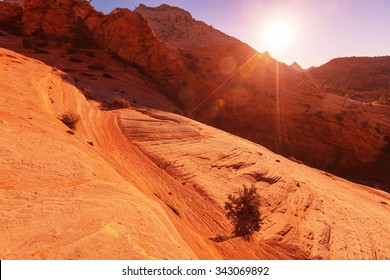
<point>310,32</point>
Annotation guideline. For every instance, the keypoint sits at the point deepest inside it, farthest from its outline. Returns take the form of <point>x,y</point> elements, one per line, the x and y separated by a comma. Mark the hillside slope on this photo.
<point>88,194</point>
<point>93,194</point>
<point>319,214</point>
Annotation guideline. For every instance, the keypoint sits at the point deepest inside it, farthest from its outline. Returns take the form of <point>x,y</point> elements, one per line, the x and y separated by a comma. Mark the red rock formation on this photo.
<point>123,33</point>
<point>128,36</point>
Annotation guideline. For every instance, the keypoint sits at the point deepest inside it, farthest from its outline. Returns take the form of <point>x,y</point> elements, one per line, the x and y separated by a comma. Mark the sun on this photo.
<point>277,35</point>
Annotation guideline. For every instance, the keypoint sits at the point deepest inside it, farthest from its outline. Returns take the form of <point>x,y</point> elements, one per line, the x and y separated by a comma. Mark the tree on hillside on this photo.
<point>242,208</point>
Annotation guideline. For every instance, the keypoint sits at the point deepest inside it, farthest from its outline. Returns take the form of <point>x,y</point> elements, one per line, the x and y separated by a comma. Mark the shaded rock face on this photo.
<point>128,36</point>
<point>365,79</point>
<point>123,33</point>
<point>53,18</point>
<point>10,17</point>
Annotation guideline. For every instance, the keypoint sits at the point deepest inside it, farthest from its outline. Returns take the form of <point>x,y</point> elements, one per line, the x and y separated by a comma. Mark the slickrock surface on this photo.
<point>319,214</point>
<point>90,193</point>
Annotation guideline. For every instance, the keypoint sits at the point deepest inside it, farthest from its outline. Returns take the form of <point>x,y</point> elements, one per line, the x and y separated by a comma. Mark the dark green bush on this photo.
<point>70,120</point>
<point>242,208</point>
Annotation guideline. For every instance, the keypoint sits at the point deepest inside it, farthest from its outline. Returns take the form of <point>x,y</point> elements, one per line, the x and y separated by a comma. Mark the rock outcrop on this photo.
<point>178,28</point>
<point>128,36</point>
<point>123,33</point>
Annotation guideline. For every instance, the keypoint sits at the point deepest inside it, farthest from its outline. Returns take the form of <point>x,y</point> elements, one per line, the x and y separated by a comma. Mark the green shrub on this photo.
<point>242,208</point>
<point>119,102</point>
<point>70,120</point>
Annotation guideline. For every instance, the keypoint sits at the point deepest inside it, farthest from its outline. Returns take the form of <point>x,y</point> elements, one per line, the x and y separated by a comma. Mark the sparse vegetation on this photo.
<point>39,37</point>
<point>108,76</point>
<point>97,66</point>
<point>339,117</point>
<point>12,28</point>
<point>70,120</point>
<point>319,114</point>
<point>75,60</point>
<point>220,238</point>
<point>119,102</point>
<point>292,158</point>
<point>242,208</point>
<point>87,74</point>
<point>26,43</point>
<point>365,125</point>
<point>40,51</point>
<point>89,54</point>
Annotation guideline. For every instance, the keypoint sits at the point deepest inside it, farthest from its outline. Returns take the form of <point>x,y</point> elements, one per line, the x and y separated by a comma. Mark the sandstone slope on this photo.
<point>93,194</point>
<point>319,214</point>
<point>89,194</point>
<point>73,196</point>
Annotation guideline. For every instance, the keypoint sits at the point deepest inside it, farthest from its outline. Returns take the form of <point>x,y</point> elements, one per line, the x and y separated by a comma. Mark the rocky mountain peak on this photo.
<point>297,67</point>
<point>178,28</point>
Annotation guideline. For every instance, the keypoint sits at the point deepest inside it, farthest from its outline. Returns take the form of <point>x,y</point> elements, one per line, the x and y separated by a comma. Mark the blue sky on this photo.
<point>320,30</point>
